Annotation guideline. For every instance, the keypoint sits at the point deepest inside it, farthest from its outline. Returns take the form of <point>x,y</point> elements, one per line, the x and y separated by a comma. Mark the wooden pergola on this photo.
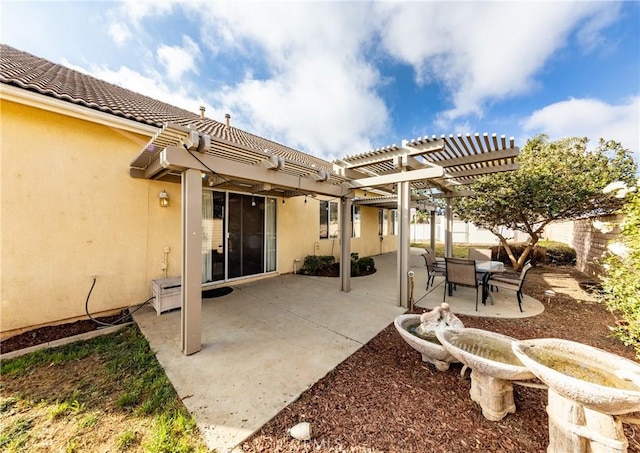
<point>399,176</point>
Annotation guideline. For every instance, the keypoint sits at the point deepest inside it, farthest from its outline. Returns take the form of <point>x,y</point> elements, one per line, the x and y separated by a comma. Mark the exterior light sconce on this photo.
<point>164,199</point>
<point>253,200</point>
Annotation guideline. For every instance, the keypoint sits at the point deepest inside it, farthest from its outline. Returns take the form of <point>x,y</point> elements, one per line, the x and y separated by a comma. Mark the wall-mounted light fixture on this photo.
<point>164,199</point>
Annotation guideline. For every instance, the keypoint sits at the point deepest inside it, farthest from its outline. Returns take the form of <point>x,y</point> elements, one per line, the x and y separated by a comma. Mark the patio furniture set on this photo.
<point>477,271</point>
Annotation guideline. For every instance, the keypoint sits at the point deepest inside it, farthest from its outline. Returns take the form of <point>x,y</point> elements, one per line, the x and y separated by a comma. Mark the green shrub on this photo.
<point>355,269</point>
<point>366,264</point>
<point>314,264</point>
<point>621,285</point>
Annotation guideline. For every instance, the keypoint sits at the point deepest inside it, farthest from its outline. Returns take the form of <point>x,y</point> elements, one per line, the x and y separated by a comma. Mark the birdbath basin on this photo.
<point>594,378</point>
<point>494,366</point>
<point>588,388</point>
<point>419,332</point>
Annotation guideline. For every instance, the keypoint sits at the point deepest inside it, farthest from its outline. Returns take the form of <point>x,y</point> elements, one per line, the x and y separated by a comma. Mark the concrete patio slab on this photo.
<point>270,340</point>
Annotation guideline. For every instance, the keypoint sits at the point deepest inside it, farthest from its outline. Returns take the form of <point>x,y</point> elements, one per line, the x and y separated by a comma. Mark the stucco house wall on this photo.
<point>70,211</point>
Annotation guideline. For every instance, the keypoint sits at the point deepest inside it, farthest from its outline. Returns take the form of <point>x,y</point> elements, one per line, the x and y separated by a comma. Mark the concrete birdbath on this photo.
<point>419,331</point>
<point>493,367</point>
<point>588,387</point>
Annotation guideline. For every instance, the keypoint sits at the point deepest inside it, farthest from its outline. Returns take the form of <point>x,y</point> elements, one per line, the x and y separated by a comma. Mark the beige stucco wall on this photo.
<point>299,234</point>
<point>70,210</point>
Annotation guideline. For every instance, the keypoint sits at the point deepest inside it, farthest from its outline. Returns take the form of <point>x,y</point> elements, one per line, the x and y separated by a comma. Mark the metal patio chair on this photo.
<point>461,272</point>
<point>433,270</point>
<point>512,284</point>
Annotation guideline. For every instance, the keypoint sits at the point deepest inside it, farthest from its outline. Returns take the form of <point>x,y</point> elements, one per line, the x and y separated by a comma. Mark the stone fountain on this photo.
<point>588,388</point>
<point>419,331</point>
<point>494,367</point>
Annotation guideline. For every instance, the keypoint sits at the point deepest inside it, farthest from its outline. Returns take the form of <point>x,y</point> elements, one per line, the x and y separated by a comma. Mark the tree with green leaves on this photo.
<point>556,180</point>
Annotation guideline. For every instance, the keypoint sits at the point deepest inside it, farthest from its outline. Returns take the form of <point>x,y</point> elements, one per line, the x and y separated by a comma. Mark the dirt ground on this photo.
<point>385,399</point>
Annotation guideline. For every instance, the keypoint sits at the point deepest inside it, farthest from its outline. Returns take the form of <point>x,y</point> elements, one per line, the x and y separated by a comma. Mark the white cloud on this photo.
<point>137,10</point>
<point>590,118</point>
<point>480,51</point>
<point>119,32</point>
<point>316,90</point>
<point>179,60</point>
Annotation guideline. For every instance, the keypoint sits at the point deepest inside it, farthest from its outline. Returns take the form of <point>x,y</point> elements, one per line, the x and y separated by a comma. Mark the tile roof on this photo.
<point>24,70</point>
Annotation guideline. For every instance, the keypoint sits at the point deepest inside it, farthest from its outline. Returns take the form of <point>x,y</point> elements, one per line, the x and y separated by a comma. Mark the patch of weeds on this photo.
<point>146,387</point>
<point>173,432</point>
<point>15,436</point>
<point>127,439</point>
<point>64,408</point>
<point>72,446</point>
<point>88,421</point>
<point>129,399</point>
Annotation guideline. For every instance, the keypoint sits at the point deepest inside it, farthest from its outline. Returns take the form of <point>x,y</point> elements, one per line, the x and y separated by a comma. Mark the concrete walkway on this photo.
<point>268,341</point>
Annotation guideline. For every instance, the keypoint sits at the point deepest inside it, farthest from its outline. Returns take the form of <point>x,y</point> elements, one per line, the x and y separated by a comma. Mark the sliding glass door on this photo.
<point>248,223</point>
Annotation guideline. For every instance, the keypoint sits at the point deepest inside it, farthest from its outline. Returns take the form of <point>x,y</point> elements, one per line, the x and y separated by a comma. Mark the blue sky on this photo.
<point>340,78</point>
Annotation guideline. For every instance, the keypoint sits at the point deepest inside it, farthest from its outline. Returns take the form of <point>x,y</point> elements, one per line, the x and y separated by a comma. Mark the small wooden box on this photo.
<point>166,292</point>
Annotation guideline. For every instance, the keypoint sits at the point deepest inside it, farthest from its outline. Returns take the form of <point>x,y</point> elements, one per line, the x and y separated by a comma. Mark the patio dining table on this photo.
<point>486,268</point>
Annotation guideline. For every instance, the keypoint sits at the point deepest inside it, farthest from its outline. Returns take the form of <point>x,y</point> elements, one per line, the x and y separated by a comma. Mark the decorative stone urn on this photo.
<point>419,332</point>
<point>493,367</point>
<point>588,387</point>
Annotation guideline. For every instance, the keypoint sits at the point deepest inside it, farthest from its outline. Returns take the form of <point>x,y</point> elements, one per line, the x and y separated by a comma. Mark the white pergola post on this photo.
<point>345,244</point>
<point>448,237</point>
<point>432,222</point>
<point>404,242</point>
<point>191,313</point>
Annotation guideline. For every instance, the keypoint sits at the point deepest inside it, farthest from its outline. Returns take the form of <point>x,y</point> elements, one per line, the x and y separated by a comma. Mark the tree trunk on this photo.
<point>518,263</point>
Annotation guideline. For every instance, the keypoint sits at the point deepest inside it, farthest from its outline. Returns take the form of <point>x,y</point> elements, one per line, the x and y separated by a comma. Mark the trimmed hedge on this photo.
<point>314,264</point>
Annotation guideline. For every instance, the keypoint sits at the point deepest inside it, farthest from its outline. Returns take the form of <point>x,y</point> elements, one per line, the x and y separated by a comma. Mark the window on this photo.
<point>383,222</point>
<point>355,221</point>
<point>328,219</point>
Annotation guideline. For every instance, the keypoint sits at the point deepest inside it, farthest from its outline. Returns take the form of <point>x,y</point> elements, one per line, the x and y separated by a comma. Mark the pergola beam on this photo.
<point>414,175</point>
<point>179,159</point>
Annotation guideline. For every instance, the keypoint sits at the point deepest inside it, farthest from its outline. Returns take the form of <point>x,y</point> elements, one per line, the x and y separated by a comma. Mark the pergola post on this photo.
<point>432,223</point>
<point>448,237</point>
<point>345,244</point>
<point>404,242</point>
<point>191,313</point>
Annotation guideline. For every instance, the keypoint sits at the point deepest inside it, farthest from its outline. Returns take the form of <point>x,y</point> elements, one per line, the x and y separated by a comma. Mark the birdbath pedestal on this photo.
<point>588,388</point>
<point>493,365</point>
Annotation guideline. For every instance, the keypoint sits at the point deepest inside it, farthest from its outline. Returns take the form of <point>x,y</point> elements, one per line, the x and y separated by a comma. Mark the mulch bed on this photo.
<point>385,399</point>
<point>52,333</point>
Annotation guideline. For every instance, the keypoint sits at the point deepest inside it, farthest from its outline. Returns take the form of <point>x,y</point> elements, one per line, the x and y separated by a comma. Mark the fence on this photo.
<point>589,243</point>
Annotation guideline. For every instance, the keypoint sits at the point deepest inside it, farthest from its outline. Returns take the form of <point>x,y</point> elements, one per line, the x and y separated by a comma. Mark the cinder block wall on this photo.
<point>589,243</point>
